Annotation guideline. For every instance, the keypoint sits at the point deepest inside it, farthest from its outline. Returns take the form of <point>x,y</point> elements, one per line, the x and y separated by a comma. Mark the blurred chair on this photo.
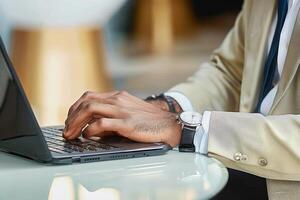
<point>58,50</point>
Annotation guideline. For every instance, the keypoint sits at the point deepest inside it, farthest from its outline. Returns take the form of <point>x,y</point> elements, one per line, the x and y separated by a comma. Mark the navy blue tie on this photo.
<point>270,70</point>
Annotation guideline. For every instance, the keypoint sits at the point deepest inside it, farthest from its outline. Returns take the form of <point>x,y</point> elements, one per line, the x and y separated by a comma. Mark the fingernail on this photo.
<point>66,133</point>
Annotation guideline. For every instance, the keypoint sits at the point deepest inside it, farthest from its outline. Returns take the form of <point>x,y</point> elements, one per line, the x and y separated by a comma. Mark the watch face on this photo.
<point>191,118</point>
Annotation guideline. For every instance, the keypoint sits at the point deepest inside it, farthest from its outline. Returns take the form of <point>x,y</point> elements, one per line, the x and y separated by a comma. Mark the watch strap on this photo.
<point>187,139</point>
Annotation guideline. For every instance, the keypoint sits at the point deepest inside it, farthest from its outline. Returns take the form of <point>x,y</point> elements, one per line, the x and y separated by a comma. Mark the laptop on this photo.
<point>21,134</point>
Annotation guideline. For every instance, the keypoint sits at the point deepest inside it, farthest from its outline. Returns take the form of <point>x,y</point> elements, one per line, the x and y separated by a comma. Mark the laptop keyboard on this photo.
<point>58,144</point>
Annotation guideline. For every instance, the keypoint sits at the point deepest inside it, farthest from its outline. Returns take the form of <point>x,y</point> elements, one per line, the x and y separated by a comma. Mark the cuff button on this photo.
<point>237,156</point>
<point>262,162</point>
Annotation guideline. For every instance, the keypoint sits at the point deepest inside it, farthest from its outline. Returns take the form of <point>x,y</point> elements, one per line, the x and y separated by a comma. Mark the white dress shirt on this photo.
<point>201,136</point>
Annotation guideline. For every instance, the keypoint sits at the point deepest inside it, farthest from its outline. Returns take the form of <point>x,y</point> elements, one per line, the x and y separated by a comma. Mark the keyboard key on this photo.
<point>56,150</point>
<point>57,143</point>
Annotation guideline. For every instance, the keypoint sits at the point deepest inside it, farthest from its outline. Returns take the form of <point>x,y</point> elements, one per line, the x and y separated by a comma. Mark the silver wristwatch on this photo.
<point>190,120</point>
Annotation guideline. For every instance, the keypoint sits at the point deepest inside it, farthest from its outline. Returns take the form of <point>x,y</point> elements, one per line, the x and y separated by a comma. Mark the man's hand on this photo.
<point>99,114</point>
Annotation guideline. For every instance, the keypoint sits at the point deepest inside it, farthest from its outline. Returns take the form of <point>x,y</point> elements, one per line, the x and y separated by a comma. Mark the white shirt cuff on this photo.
<point>201,135</point>
<point>205,126</point>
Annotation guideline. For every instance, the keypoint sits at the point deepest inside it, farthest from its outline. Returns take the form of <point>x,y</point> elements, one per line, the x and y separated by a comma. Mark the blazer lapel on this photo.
<point>291,64</point>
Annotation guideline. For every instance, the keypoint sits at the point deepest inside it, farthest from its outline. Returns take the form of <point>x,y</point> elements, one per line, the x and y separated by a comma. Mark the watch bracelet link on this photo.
<point>167,99</point>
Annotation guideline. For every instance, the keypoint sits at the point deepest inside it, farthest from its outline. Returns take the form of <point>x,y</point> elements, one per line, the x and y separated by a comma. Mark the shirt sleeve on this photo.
<point>201,135</point>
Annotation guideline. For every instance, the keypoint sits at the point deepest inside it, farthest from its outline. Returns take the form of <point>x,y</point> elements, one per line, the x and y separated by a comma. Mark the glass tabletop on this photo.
<point>175,175</point>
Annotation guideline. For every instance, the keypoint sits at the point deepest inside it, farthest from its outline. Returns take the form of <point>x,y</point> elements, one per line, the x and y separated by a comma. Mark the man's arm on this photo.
<point>216,86</point>
<point>267,146</point>
<point>124,114</point>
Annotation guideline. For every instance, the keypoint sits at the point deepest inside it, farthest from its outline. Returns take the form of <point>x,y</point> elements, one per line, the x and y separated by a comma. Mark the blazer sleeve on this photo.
<point>267,146</point>
<point>216,85</point>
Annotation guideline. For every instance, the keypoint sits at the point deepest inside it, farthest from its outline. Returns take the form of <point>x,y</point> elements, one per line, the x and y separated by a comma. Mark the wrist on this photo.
<point>178,108</point>
<point>173,135</point>
<point>160,104</point>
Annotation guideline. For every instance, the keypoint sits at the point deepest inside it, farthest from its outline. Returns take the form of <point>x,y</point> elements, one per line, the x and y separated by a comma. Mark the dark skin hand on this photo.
<point>102,114</point>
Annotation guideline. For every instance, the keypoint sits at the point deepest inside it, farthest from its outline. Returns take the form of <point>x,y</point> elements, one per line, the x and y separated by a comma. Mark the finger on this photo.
<point>89,96</point>
<point>101,135</point>
<point>104,127</point>
<point>89,106</point>
<point>84,115</point>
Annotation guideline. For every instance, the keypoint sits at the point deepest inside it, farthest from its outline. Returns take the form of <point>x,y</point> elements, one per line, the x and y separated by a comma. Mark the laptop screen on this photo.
<point>15,119</point>
<point>10,108</point>
<point>19,131</point>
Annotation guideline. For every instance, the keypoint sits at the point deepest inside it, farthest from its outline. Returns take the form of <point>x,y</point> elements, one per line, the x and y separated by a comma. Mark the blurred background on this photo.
<point>61,48</point>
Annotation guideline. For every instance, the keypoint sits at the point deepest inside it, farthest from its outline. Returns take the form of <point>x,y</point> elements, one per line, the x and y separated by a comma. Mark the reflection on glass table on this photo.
<point>171,176</point>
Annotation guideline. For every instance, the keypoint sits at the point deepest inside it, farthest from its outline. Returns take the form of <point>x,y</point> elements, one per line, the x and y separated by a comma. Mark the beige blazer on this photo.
<point>267,146</point>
